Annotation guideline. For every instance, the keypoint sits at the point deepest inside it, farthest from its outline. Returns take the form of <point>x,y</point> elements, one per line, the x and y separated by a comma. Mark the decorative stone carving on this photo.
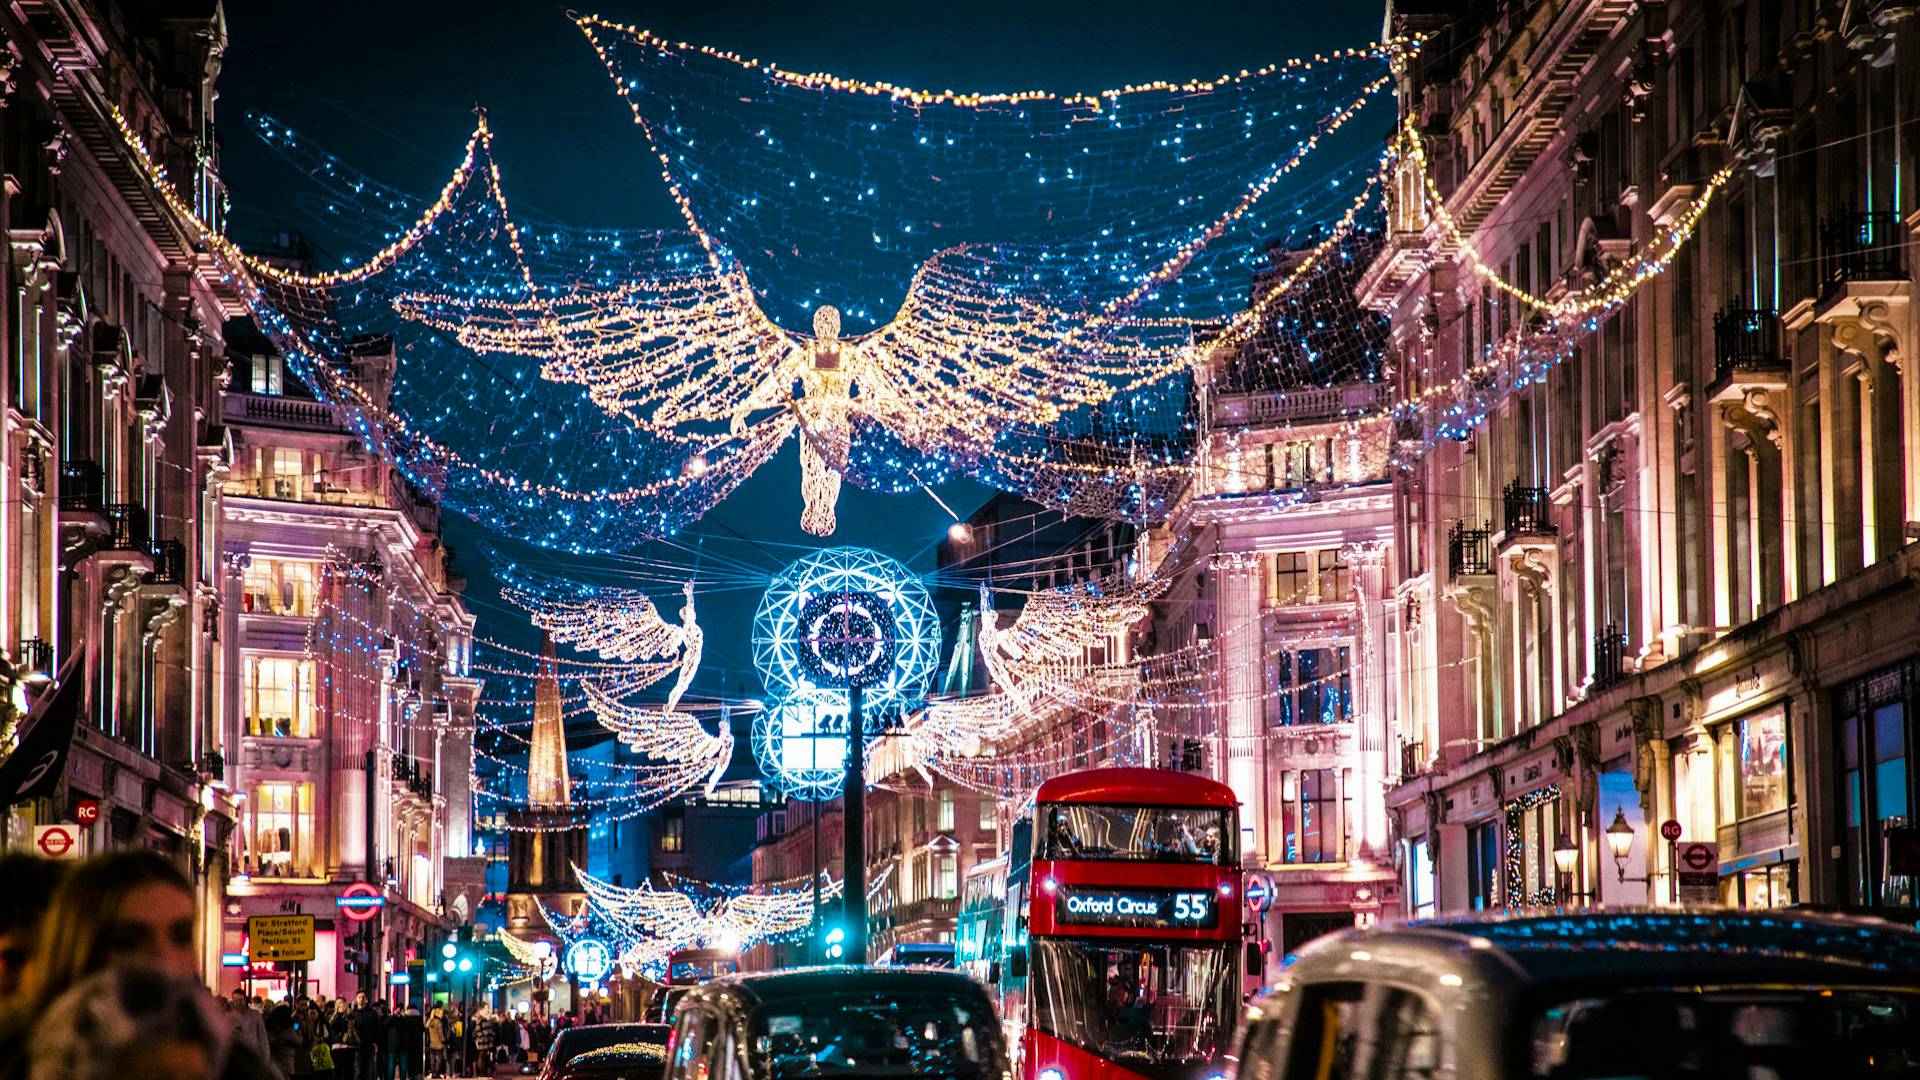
<point>1872,331</point>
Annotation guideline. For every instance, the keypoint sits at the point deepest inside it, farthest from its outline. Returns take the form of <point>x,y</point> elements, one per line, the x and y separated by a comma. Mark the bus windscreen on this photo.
<point>1145,1007</point>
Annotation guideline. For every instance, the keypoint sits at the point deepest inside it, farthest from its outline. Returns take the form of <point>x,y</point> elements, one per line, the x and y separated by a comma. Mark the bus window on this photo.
<point>1174,834</point>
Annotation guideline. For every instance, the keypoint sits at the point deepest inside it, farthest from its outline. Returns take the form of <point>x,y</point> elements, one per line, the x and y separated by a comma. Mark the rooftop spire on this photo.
<point>547,785</point>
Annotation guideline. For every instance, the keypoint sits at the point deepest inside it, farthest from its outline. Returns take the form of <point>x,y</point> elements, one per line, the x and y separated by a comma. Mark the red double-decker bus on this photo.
<point>1132,952</point>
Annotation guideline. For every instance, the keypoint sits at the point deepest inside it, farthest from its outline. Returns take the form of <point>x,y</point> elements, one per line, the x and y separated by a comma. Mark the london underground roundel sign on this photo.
<point>360,901</point>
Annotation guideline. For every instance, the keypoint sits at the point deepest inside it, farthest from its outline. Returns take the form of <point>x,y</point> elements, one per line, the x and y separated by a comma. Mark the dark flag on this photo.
<point>40,758</point>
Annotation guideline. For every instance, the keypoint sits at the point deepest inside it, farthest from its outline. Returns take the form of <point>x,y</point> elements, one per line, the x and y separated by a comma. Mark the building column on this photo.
<point>1720,524</point>
<point>1236,584</point>
<point>1369,564</point>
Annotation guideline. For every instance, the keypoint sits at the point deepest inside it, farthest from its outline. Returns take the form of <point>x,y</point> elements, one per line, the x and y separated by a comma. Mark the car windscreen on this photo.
<point>880,1034</point>
<point>1785,1031</point>
<point>1178,834</point>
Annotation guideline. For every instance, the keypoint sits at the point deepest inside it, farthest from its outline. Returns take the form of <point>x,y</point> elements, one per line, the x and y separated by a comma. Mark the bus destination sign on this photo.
<point>1188,909</point>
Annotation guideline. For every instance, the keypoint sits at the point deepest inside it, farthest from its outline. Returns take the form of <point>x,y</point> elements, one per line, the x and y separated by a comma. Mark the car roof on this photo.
<point>1621,945</point>
<point>1133,786</point>
<point>799,984</point>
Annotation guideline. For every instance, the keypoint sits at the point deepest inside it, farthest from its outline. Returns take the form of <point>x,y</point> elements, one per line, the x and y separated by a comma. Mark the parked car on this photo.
<point>1580,996</point>
<point>607,1052</point>
<point>815,1023</point>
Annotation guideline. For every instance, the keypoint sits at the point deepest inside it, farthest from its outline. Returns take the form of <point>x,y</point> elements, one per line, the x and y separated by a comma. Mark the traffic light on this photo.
<point>833,942</point>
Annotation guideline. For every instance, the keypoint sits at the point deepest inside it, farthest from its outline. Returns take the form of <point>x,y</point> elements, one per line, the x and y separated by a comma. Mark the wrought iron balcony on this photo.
<point>36,655</point>
<point>1609,657</point>
<point>1469,551</point>
<point>1526,511</point>
<point>1859,245</point>
<point>169,563</point>
<point>80,486</point>
<point>1413,760</point>
<point>1746,340</point>
<point>126,527</point>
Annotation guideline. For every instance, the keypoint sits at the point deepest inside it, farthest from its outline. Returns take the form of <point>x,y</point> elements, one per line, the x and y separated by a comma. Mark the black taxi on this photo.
<point>1587,995</point>
<point>818,1023</point>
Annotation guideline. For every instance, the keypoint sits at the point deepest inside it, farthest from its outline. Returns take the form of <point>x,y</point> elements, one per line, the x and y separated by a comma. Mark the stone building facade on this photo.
<point>1673,577</point>
<point>1279,563</point>
<point>109,562</point>
<point>343,666</point>
<point>147,457</point>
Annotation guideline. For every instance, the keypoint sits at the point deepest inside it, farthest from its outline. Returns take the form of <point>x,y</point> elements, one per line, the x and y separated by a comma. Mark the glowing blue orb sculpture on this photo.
<point>589,959</point>
<point>843,617</point>
<point>838,618</point>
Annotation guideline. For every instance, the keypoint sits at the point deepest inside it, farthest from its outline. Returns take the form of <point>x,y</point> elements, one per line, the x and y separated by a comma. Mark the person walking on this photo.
<point>437,1031</point>
<point>483,1036</point>
<point>373,1044</point>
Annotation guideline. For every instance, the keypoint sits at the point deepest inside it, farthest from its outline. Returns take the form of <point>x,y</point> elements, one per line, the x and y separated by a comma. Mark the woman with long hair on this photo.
<point>113,987</point>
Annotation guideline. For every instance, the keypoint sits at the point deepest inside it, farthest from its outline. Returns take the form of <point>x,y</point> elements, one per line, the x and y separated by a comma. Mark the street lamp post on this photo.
<point>853,894</point>
<point>1620,845</point>
<point>1566,860</point>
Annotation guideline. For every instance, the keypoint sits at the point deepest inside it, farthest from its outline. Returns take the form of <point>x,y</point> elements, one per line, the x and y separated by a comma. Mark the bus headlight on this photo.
<point>1051,1073</point>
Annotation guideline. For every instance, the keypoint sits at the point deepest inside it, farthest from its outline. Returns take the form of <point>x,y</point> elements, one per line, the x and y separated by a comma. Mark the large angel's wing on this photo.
<point>619,624</point>
<point>669,915</point>
<point>980,342</point>
<point>682,345</point>
<point>676,736</point>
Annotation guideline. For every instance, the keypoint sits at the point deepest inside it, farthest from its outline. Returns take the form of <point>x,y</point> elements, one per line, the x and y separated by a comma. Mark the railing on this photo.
<point>169,563</point>
<point>1526,511</point>
<point>1762,832</point>
<point>1250,408</point>
<point>1469,551</point>
<point>126,527</point>
<point>36,655</point>
<point>80,486</point>
<point>929,908</point>
<point>291,489</point>
<point>1609,657</point>
<point>413,777</point>
<point>1413,759</point>
<point>1859,245</point>
<point>1745,339</point>
<point>272,409</point>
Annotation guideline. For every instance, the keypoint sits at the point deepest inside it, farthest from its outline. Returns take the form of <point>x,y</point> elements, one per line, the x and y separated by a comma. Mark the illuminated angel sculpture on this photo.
<point>1040,663</point>
<point>696,359</point>
<point>624,624</point>
<point>688,917</point>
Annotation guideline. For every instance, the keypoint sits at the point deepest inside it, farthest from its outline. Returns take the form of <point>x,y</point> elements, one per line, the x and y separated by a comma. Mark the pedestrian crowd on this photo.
<point>99,980</point>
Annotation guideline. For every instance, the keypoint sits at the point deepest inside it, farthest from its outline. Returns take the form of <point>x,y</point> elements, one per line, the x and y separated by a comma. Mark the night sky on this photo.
<point>389,87</point>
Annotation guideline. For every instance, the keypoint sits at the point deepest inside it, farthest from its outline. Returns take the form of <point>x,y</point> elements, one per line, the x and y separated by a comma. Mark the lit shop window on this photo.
<point>277,696</point>
<point>281,587</point>
<point>673,833</point>
<point>282,831</point>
